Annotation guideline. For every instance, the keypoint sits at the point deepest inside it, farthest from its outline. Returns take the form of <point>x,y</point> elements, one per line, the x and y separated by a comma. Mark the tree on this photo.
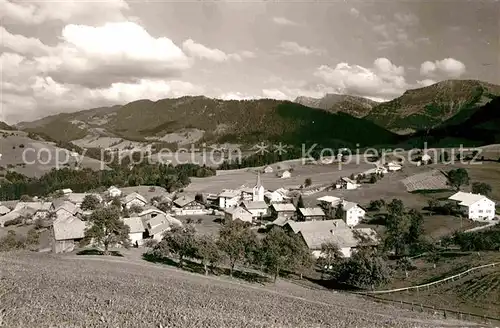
<point>307,182</point>
<point>107,229</point>
<point>206,251</point>
<point>432,204</point>
<point>300,202</point>
<point>365,268</point>
<point>198,198</point>
<point>405,264</point>
<point>179,241</point>
<point>376,205</point>
<point>90,202</point>
<point>373,178</point>
<point>237,242</point>
<point>330,254</point>
<point>457,178</point>
<point>339,212</point>
<point>135,208</point>
<point>116,202</point>
<point>397,225</point>
<point>282,251</point>
<point>415,229</point>
<point>26,198</point>
<point>481,188</point>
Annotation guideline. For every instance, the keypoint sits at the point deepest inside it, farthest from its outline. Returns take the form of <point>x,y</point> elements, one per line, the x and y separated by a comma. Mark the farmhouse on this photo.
<point>475,206</point>
<point>238,213</point>
<point>64,208</point>
<point>352,213</point>
<point>36,209</point>
<point>346,183</point>
<point>284,174</point>
<point>150,213</point>
<point>66,191</point>
<point>136,229</point>
<point>114,192</point>
<point>155,227</point>
<point>282,212</point>
<point>268,169</point>
<point>277,196</point>
<point>229,198</point>
<point>187,205</point>
<point>317,233</point>
<point>13,215</point>
<point>311,214</point>
<point>67,232</point>
<point>329,201</point>
<point>134,199</point>
<point>257,208</point>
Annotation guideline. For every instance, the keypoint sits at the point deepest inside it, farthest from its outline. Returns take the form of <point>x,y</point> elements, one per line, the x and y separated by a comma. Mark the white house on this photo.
<point>257,209</point>
<point>284,174</point>
<point>329,201</point>
<point>134,199</point>
<point>66,191</point>
<point>238,213</point>
<point>393,167</point>
<point>346,183</point>
<point>114,192</point>
<point>136,229</point>
<point>475,206</point>
<point>187,205</point>
<point>156,226</point>
<point>229,198</point>
<point>277,196</point>
<point>268,169</point>
<point>353,214</point>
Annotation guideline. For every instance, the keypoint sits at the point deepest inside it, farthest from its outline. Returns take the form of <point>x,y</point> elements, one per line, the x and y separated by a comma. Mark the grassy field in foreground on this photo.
<point>82,291</point>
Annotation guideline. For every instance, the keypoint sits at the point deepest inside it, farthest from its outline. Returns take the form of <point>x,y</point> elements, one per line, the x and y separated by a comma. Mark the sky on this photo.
<point>74,55</point>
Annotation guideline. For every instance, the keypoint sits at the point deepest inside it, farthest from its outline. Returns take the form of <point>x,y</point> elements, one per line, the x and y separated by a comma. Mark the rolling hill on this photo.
<point>352,105</point>
<point>472,128</point>
<point>214,121</point>
<point>428,107</point>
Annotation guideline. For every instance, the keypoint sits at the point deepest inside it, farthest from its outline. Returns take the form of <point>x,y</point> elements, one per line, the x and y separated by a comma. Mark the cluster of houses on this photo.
<point>66,218</point>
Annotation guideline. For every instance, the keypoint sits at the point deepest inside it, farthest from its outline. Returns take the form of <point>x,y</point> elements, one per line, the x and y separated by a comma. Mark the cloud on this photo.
<point>89,12</point>
<point>448,67</point>
<point>275,94</point>
<point>283,21</point>
<point>237,96</point>
<point>293,48</point>
<point>21,44</point>
<point>200,51</point>
<point>406,19</point>
<point>383,80</point>
<point>99,56</point>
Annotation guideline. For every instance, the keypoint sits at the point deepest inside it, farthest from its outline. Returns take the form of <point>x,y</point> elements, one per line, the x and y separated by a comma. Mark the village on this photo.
<point>150,211</point>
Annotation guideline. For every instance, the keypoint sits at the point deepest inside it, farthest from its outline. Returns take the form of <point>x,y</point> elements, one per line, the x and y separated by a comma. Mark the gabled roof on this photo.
<point>348,205</point>
<point>37,206</point>
<point>66,206</point>
<point>132,196</point>
<point>288,207</point>
<point>343,238</point>
<point>467,199</point>
<point>135,224</point>
<point>183,201</point>
<point>66,191</point>
<point>348,180</point>
<point>69,228</point>
<point>329,199</point>
<point>257,205</point>
<point>317,226</point>
<point>281,221</point>
<point>150,210</point>
<point>229,193</point>
<point>312,211</point>
<point>237,210</point>
<point>162,219</point>
<point>4,210</point>
<point>78,198</point>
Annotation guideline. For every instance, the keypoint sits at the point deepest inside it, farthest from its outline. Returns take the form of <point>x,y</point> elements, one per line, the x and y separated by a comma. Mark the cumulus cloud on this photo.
<point>293,48</point>
<point>283,21</point>
<point>384,80</point>
<point>21,44</point>
<point>448,67</point>
<point>89,12</point>
<point>200,51</point>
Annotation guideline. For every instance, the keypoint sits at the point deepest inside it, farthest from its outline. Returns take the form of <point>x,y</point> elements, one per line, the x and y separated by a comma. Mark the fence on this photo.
<point>439,312</point>
<point>428,285</point>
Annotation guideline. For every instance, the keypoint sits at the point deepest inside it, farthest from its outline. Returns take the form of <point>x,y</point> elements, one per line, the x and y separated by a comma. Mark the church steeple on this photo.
<point>258,190</point>
<point>258,184</point>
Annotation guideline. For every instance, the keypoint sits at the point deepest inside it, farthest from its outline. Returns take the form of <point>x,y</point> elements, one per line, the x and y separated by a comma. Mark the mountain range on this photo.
<point>334,120</point>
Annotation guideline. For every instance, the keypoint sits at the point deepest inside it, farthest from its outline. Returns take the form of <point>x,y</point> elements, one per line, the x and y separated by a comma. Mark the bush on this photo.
<point>12,242</point>
<point>12,222</point>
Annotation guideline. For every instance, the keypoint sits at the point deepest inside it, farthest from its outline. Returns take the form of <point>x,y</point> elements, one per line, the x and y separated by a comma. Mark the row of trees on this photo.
<point>167,176</point>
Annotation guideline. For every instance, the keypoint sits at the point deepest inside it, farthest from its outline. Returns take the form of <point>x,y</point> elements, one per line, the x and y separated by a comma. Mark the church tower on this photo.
<point>258,190</point>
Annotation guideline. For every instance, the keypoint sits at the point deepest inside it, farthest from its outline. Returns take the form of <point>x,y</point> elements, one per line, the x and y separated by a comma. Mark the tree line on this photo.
<point>83,180</point>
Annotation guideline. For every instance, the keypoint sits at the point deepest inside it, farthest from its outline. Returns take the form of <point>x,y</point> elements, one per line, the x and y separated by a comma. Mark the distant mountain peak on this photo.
<point>333,102</point>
